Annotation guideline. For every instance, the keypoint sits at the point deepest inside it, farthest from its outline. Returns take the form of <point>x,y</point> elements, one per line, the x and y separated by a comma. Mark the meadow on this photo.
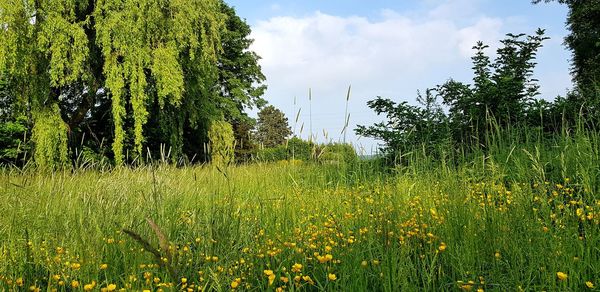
<point>515,217</point>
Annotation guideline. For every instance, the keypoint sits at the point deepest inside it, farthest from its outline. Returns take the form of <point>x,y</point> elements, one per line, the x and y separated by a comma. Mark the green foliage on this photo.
<point>583,21</point>
<point>500,97</point>
<point>89,158</point>
<point>296,149</point>
<point>338,153</point>
<point>300,149</point>
<point>273,154</point>
<point>408,126</point>
<point>50,136</point>
<point>501,89</point>
<point>272,127</point>
<point>240,80</point>
<point>147,36</point>
<point>503,221</point>
<point>13,141</point>
<point>137,53</point>
<point>222,143</point>
<point>245,146</point>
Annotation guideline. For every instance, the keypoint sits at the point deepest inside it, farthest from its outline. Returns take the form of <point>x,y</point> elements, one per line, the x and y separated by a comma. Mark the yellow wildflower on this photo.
<point>296,268</point>
<point>325,258</point>
<point>270,275</point>
<point>561,276</point>
<point>442,247</point>
<point>331,277</point>
<point>590,285</point>
<point>308,280</point>
<point>19,282</point>
<point>75,284</point>
<point>89,287</point>
<point>236,283</point>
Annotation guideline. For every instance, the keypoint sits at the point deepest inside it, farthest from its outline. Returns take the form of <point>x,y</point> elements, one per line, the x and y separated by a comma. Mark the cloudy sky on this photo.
<point>385,48</point>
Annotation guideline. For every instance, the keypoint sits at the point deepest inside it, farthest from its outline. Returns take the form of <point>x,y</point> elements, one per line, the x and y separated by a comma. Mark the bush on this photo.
<point>301,150</point>
<point>272,154</point>
<point>336,153</point>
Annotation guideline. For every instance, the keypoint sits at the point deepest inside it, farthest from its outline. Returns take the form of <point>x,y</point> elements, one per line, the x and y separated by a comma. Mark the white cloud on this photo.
<point>392,56</point>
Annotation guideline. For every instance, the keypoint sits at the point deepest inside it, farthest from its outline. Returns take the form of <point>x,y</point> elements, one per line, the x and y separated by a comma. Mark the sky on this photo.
<point>391,49</point>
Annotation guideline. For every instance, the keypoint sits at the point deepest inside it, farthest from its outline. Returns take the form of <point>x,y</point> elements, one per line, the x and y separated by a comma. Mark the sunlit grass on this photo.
<point>295,226</point>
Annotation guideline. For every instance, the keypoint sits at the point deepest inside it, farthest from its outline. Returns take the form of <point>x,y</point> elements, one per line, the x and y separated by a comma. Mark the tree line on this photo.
<point>129,81</point>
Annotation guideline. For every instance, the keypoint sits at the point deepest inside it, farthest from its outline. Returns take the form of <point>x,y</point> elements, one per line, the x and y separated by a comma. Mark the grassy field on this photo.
<point>524,218</point>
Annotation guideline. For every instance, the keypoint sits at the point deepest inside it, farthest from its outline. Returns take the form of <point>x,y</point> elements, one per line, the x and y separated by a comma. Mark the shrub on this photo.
<point>337,153</point>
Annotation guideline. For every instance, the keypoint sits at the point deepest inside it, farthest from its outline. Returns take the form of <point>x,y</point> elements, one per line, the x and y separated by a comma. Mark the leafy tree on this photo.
<point>583,21</point>
<point>137,53</point>
<point>235,85</point>
<point>272,127</point>
<point>502,90</point>
<point>241,80</point>
<point>584,41</point>
<point>407,126</point>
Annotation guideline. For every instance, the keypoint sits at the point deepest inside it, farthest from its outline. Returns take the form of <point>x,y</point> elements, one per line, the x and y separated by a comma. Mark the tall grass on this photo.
<point>506,217</point>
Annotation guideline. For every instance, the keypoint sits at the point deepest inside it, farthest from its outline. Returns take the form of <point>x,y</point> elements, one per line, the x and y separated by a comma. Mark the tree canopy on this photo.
<point>156,71</point>
<point>272,128</point>
<point>583,21</point>
<point>502,93</point>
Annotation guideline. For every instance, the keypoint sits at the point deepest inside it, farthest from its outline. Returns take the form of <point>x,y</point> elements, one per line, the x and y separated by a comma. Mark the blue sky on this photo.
<point>385,48</point>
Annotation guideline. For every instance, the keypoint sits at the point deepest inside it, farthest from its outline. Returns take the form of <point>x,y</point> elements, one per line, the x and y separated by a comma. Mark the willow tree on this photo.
<point>136,52</point>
